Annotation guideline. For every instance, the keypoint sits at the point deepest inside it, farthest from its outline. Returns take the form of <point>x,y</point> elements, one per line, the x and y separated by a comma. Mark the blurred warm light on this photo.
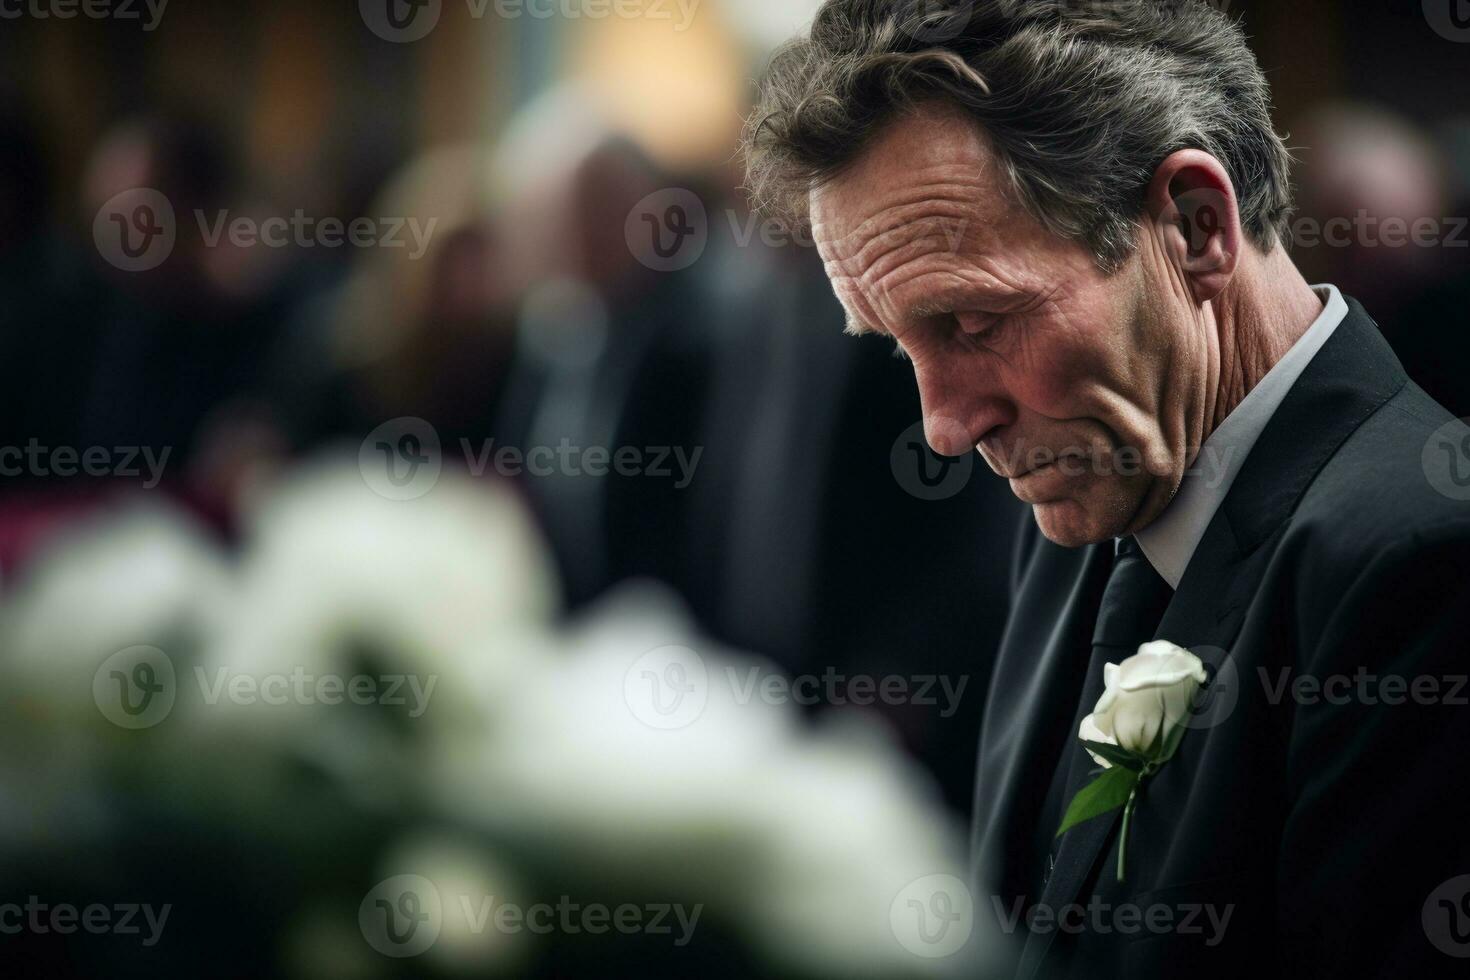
<point>676,89</point>
<point>296,94</point>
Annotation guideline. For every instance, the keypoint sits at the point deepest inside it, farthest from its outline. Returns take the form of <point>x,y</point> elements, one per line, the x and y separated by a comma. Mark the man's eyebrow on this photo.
<point>941,303</point>
<point>948,301</point>
<point>929,308</point>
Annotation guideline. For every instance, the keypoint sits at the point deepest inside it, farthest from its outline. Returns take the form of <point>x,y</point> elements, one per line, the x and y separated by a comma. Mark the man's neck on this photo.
<point>1260,316</point>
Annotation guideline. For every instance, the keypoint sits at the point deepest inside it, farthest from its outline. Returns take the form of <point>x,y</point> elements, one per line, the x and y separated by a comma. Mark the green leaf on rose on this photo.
<point>1107,792</point>
<point>1115,754</point>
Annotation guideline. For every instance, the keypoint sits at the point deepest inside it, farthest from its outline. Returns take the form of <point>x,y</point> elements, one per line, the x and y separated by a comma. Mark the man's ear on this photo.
<point>1197,220</point>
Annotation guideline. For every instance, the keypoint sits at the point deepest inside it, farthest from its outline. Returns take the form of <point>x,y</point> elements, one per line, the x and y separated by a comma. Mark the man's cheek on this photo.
<point>1047,375</point>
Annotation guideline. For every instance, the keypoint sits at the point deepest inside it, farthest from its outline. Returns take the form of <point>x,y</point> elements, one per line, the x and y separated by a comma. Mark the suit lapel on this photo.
<point>1353,374</point>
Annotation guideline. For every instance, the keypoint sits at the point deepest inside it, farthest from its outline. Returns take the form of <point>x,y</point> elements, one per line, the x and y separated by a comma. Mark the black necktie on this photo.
<point>1133,604</point>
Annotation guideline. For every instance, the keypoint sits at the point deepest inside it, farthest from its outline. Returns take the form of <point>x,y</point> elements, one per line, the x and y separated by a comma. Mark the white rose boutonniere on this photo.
<point>1134,729</point>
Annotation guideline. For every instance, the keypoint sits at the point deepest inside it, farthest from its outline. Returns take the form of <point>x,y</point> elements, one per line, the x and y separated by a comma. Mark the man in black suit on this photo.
<point>1071,219</point>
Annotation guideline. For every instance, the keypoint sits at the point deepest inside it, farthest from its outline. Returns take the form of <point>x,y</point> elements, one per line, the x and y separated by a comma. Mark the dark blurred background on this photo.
<point>544,305</point>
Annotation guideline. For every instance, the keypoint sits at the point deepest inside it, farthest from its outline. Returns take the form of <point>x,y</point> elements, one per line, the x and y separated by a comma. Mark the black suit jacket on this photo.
<point>1294,834</point>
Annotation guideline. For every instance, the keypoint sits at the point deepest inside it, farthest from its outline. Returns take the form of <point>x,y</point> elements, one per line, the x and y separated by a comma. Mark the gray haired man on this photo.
<point>1070,217</point>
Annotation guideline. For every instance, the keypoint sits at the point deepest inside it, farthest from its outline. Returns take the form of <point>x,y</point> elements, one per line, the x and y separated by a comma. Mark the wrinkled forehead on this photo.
<point>851,242</point>
<point>928,181</point>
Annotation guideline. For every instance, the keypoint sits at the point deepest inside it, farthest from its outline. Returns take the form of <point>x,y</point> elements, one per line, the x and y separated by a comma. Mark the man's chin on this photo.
<point>1069,524</point>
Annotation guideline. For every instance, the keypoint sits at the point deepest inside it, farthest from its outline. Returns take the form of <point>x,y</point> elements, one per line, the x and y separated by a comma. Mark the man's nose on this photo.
<point>958,415</point>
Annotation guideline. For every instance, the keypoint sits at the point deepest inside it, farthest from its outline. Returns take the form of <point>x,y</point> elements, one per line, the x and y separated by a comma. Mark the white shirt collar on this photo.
<point>1170,541</point>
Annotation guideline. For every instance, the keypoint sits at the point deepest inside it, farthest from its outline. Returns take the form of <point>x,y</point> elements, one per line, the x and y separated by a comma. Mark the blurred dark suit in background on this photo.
<point>816,549</point>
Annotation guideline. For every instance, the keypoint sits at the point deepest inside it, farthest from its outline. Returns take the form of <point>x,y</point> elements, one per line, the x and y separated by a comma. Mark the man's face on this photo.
<point>1071,383</point>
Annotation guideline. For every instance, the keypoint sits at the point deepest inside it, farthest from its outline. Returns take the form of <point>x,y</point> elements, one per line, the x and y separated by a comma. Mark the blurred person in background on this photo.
<point>816,485</point>
<point>28,286</point>
<point>1377,217</point>
<point>612,355</point>
<point>137,365</point>
<point>164,349</point>
<point>423,330</point>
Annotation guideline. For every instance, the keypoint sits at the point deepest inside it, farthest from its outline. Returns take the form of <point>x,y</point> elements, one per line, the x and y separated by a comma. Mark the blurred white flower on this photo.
<point>143,576</point>
<point>432,607</point>
<point>625,758</point>
<point>471,887</point>
<point>848,826</point>
<point>801,841</point>
<point>106,596</point>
